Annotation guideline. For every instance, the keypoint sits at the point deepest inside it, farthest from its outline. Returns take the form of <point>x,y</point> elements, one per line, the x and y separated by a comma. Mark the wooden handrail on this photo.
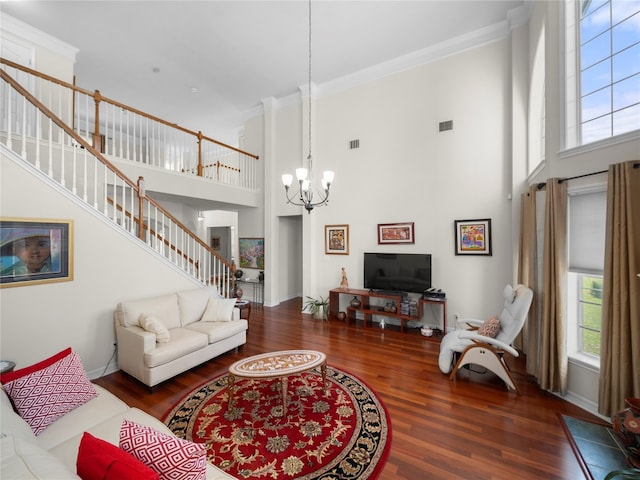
<point>133,185</point>
<point>143,226</point>
<point>98,97</point>
<point>34,101</point>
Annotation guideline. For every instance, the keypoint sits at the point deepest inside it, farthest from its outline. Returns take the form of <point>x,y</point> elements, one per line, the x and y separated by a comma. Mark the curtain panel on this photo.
<point>620,335</point>
<point>553,363</point>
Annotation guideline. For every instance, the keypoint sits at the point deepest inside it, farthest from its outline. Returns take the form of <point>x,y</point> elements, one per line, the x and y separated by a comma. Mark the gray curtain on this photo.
<point>620,341</point>
<point>553,362</point>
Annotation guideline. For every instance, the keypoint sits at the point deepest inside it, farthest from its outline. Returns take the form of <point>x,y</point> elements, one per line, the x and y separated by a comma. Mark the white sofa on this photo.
<point>53,453</point>
<point>193,338</point>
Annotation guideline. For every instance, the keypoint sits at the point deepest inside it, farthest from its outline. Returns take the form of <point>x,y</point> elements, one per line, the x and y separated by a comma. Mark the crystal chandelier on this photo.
<point>305,195</point>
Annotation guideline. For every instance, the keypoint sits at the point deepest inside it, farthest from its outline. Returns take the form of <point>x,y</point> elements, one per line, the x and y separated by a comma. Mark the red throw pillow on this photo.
<point>490,327</point>
<point>10,376</point>
<point>100,460</point>
<point>172,457</point>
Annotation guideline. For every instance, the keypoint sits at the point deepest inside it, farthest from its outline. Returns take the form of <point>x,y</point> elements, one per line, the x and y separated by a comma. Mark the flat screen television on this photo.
<point>397,272</point>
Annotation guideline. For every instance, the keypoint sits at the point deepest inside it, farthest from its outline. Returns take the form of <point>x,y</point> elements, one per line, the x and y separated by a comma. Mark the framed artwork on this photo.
<point>336,239</point>
<point>251,252</point>
<point>34,251</point>
<point>473,237</point>
<point>396,233</point>
<point>215,242</point>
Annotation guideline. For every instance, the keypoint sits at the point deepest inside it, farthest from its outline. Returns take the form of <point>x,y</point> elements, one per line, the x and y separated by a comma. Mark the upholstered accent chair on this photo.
<point>484,342</point>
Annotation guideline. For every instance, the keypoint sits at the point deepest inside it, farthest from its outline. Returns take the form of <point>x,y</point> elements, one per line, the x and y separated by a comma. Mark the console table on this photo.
<point>258,289</point>
<point>367,309</point>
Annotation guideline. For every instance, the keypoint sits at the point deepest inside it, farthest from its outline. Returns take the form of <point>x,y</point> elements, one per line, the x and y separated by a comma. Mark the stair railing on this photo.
<point>124,132</point>
<point>44,140</point>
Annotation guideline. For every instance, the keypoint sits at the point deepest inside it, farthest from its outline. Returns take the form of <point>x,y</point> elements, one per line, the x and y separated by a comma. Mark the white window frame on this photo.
<point>571,74</point>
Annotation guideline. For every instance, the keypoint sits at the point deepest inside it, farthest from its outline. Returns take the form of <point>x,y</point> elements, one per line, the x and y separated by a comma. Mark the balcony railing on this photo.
<point>123,132</point>
<point>43,139</point>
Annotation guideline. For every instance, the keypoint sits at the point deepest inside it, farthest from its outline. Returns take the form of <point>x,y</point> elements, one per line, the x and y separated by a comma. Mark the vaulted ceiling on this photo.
<point>207,64</point>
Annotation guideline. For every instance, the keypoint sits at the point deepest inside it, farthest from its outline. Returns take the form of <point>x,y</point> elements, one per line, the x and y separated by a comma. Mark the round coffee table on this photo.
<point>277,365</point>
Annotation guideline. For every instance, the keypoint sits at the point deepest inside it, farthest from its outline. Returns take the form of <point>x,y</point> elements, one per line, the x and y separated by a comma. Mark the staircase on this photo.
<point>49,124</point>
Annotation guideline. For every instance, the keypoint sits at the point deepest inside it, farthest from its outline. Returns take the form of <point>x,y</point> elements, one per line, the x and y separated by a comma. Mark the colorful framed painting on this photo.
<point>473,237</point>
<point>336,239</point>
<point>34,251</point>
<point>251,252</point>
<point>396,233</point>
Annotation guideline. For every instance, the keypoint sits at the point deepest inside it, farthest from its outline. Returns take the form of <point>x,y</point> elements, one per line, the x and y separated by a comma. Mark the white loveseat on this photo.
<point>53,453</point>
<point>200,323</point>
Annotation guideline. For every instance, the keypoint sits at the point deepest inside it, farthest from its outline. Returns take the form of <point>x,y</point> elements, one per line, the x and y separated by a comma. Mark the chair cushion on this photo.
<point>170,456</point>
<point>490,327</point>
<point>100,460</point>
<point>43,396</point>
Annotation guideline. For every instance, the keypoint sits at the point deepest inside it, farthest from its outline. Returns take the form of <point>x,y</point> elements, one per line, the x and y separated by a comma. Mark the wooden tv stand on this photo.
<point>368,310</point>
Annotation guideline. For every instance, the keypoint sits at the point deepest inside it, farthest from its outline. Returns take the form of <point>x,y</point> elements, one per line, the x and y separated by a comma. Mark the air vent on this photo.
<point>444,126</point>
<point>353,144</point>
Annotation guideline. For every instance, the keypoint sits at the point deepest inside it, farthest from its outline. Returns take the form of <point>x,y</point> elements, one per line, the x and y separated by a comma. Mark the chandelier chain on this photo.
<point>309,86</point>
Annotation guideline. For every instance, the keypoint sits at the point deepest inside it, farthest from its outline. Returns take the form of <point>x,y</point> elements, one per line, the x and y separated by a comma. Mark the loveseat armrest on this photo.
<point>235,315</point>
<point>132,344</point>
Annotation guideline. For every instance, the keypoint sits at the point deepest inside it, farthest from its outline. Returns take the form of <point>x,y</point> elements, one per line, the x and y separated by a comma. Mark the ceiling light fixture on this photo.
<point>200,216</point>
<point>304,175</point>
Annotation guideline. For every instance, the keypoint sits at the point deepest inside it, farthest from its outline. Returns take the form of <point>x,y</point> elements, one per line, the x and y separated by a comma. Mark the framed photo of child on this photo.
<point>34,251</point>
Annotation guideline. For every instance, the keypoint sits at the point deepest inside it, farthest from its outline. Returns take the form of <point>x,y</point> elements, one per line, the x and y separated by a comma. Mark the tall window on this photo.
<point>587,217</point>
<point>603,69</point>
<point>589,303</point>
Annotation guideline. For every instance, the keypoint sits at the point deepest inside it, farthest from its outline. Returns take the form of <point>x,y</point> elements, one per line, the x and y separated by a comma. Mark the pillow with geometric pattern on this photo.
<point>490,327</point>
<point>170,456</point>
<point>45,395</point>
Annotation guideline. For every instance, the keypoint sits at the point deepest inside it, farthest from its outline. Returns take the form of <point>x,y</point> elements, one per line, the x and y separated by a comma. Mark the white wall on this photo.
<point>405,170</point>
<point>39,320</point>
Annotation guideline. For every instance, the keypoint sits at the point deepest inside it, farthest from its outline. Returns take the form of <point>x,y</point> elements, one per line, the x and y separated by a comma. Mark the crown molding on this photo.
<point>13,27</point>
<point>493,33</point>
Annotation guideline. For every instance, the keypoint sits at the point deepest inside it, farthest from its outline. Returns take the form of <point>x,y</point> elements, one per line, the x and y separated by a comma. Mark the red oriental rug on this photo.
<point>345,434</point>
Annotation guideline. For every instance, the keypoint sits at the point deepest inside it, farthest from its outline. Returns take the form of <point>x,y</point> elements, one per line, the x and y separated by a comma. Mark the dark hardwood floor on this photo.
<point>472,428</point>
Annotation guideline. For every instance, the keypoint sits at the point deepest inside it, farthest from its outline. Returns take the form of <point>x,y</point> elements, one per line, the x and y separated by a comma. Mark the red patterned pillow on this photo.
<point>100,460</point>
<point>490,327</point>
<point>9,376</point>
<point>172,457</point>
<point>43,396</point>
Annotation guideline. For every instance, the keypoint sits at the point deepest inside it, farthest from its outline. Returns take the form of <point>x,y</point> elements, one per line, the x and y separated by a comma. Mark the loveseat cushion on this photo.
<point>217,331</point>
<point>192,303</point>
<point>104,406</point>
<point>11,423</point>
<point>164,308</point>
<point>183,341</point>
<point>25,460</point>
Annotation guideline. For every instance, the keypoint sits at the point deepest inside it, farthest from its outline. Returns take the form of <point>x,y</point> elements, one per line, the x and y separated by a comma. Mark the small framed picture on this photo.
<point>215,242</point>
<point>473,237</point>
<point>396,233</point>
<point>34,251</point>
<point>336,239</point>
